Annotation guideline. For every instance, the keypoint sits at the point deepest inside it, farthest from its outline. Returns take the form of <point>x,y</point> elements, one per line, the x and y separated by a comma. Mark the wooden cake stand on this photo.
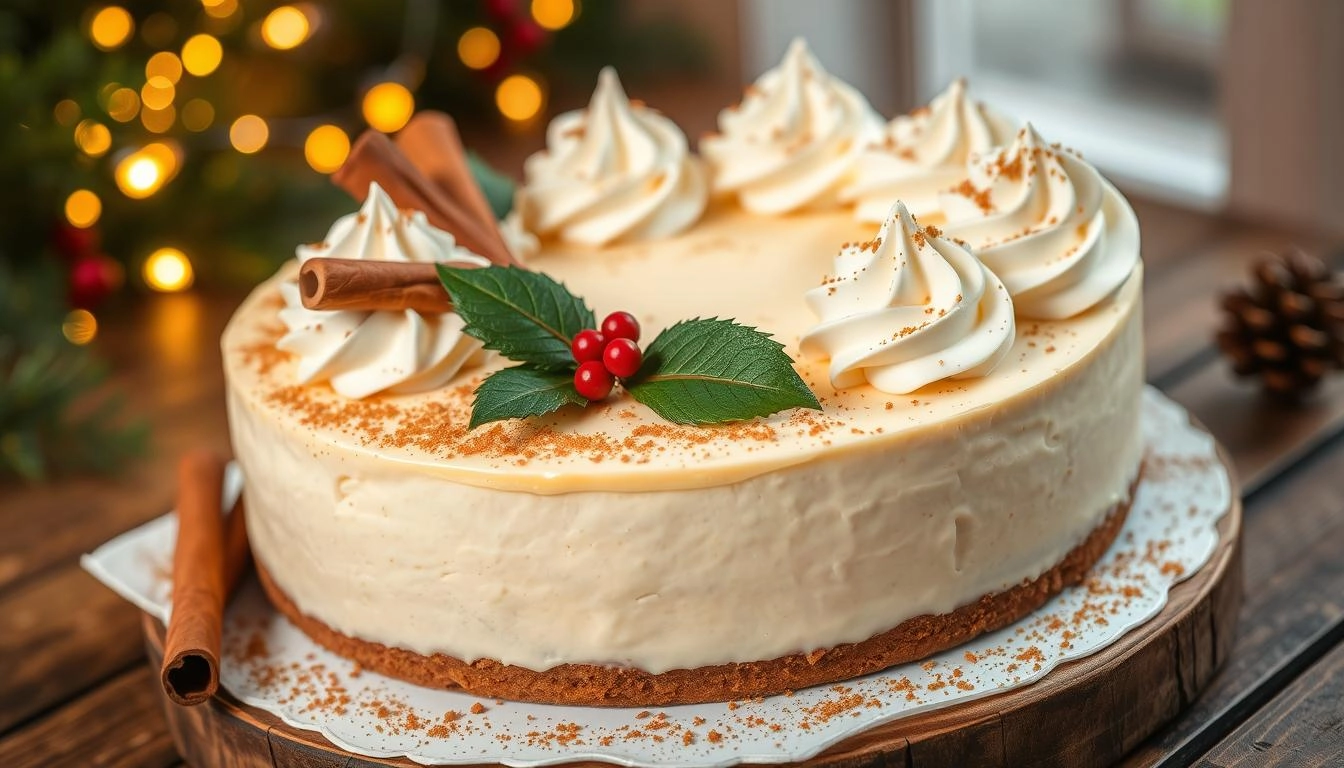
<point>1088,712</point>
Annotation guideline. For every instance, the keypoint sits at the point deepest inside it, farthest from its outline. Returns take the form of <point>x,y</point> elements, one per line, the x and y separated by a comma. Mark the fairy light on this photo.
<point>201,54</point>
<point>66,112</point>
<point>387,107</point>
<point>164,64</point>
<point>111,27</point>
<point>554,14</point>
<point>220,9</point>
<point>197,115</point>
<point>284,28</point>
<point>326,148</point>
<point>157,93</point>
<point>158,120</point>
<point>519,97</point>
<point>168,270</point>
<point>143,172</point>
<point>248,134</point>
<point>80,326</point>
<point>123,105</point>
<point>93,138</point>
<point>82,208</point>
<point>478,47</point>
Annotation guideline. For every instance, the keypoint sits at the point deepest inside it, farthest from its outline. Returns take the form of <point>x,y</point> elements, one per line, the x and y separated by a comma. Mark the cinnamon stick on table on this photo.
<point>368,285</point>
<point>202,577</point>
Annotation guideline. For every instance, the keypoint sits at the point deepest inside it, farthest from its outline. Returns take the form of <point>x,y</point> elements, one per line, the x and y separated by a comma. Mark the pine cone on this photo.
<point>1288,327</point>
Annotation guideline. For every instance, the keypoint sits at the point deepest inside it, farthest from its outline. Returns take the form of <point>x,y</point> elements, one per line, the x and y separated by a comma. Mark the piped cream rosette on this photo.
<point>364,353</point>
<point>908,308</point>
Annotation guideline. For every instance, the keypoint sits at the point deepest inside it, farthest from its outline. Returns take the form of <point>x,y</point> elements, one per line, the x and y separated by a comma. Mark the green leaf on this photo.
<point>522,391</point>
<point>711,371</point>
<point>497,187</point>
<point>525,316</point>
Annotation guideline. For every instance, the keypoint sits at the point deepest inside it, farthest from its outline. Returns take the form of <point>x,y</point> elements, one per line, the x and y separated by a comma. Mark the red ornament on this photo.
<point>587,345</point>
<point>72,242</point>
<point>92,278</point>
<point>622,357</point>
<point>592,381</point>
<point>525,37</point>
<point>621,325</point>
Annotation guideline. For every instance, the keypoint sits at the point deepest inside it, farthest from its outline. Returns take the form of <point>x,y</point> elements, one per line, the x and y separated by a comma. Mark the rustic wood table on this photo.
<point>75,688</point>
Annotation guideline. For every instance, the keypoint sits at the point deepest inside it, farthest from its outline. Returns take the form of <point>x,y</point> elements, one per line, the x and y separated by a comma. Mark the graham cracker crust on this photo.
<point>593,685</point>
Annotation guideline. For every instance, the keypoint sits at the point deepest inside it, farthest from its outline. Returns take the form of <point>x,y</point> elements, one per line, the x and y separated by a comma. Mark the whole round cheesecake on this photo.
<point>975,449</point>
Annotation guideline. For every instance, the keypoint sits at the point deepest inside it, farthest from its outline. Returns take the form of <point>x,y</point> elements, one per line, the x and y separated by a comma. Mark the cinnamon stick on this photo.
<point>431,143</point>
<point>375,158</point>
<point>190,672</point>
<point>367,285</point>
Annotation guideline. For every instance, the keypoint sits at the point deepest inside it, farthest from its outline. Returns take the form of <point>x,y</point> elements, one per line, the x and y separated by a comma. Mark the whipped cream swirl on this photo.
<point>616,170</point>
<point>924,153</point>
<point>909,308</point>
<point>1045,221</point>
<point>363,353</point>
<point>793,140</point>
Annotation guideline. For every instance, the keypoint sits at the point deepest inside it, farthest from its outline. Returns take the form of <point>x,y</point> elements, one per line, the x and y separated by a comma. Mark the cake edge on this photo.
<point>610,686</point>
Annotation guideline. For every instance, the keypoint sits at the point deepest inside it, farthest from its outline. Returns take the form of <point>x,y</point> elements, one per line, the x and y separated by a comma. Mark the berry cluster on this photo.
<point>606,355</point>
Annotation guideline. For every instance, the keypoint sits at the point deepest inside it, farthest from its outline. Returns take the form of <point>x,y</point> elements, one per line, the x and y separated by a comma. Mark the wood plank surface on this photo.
<point>1302,726</point>
<point>119,725</point>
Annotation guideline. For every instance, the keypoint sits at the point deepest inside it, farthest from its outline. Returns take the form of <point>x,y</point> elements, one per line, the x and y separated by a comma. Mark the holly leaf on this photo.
<point>525,316</point>
<point>710,371</point>
<point>520,392</point>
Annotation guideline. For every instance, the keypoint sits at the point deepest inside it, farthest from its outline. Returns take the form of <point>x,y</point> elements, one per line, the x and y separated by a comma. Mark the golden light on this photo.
<point>387,106</point>
<point>82,208</point>
<point>168,270</point>
<point>66,112</point>
<point>201,54</point>
<point>197,115</point>
<point>519,97</point>
<point>158,92</point>
<point>478,47</point>
<point>80,326</point>
<point>158,120</point>
<point>326,148</point>
<point>93,138</point>
<point>164,64</point>
<point>111,27</point>
<point>123,105</point>
<point>220,9</point>
<point>143,172</point>
<point>248,134</point>
<point>284,28</point>
<point>554,14</point>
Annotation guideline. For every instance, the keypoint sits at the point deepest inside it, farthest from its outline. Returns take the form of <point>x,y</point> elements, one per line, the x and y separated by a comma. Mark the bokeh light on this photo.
<point>201,54</point>
<point>164,64</point>
<point>158,29</point>
<point>478,47</point>
<point>66,112</point>
<point>82,208</point>
<point>326,148</point>
<point>80,326</point>
<point>197,115</point>
<point>220,9</point>
<point>554,14</point>
<point>519,97</point>
<point>249,134</point>
<point>93,138</point>
<point>387,107</point>
<point>284,28</point>
<point>143,172</point>
<point>158,120</point>
<point>168,270</point>
<point>158,92</point>
<point>123,105</point>
<point>111,27</point>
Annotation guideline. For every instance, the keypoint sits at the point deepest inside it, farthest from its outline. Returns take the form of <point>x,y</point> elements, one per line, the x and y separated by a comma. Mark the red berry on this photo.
<point>587,345</point>
<point>621,325</point>
<point>592,381</point>
<point>622,357</point>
